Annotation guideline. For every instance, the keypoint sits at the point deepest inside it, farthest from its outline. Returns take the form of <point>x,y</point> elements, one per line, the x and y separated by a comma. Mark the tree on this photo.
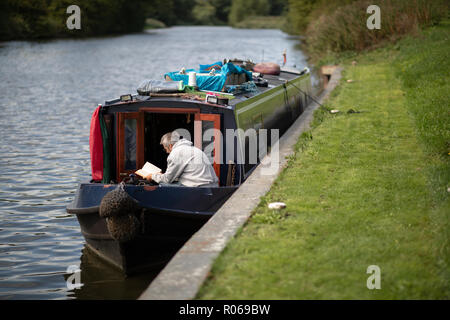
<point>162,10</point>
<point>298,15</point>
<point>204,12</point>
<point>31,19</point>
<point>182,10</point>
<point>278,7</point>
<point>222,9</point>
<point>240,9</point>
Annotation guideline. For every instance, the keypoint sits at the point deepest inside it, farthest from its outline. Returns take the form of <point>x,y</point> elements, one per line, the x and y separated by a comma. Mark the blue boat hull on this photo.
<point>169,216</point>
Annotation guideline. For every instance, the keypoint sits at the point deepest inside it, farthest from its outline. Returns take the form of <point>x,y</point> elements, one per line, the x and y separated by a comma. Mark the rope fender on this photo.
<point>120,210</point>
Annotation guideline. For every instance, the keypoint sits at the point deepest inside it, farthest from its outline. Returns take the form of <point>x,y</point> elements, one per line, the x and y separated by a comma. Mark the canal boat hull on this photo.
<point>168,216</point>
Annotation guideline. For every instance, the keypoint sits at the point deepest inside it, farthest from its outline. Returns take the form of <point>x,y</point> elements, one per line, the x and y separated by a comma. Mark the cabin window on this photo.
<point>209,140</point>
<point>130,143</point>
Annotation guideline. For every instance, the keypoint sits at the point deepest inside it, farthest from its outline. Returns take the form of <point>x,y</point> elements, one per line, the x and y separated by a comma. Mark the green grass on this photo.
<point>423,65</point>
<point>362,189</point>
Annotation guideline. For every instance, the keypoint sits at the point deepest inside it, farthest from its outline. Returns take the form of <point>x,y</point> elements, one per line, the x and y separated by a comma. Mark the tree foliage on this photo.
<point>204,12</point>
<point>302,12</point>
<point>32,19</point>
<point>242,9</point>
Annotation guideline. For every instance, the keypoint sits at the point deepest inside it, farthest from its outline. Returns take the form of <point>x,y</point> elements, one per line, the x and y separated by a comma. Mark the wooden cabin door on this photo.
<point>204,122</point>
<point>130,143</point>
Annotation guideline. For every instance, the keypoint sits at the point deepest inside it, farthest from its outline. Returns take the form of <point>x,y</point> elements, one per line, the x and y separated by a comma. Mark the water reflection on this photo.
<point>102,281</point>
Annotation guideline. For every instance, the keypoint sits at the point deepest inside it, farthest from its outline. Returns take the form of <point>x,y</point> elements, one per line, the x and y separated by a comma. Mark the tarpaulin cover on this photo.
<point>214,83</point>
<point>96,146</point>
<point>207,67</point>
<point>158,86</point>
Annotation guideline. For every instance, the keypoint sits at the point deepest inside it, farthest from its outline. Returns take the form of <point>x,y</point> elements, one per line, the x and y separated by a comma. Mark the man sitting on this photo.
<point>186,164</point>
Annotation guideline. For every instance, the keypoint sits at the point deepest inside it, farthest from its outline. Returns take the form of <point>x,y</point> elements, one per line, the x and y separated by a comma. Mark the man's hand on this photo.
<point>148,177</point>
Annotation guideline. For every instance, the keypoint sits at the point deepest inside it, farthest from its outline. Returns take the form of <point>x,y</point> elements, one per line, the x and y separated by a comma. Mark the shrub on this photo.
<point>345,28</point>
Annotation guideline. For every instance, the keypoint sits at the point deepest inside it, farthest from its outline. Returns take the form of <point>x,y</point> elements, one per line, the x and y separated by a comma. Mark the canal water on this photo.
<point>48,91</point>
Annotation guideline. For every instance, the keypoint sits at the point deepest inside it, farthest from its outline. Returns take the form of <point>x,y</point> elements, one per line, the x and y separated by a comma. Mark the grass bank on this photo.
<point>367,188</point>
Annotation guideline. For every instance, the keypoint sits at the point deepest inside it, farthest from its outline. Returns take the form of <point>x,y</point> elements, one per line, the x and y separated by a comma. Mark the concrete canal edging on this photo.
<point>187,270</point>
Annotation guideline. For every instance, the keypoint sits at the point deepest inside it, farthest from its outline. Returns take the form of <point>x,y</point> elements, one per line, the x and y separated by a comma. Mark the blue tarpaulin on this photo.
<point>213,83</point>
<point>207,67</point>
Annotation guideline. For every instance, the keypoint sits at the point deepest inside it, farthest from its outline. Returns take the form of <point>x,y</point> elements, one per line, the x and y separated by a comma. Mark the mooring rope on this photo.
<point>305,93</point>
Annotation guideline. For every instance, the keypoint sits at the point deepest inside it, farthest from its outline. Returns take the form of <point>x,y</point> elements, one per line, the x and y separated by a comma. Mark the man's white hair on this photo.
<point>170,138</point>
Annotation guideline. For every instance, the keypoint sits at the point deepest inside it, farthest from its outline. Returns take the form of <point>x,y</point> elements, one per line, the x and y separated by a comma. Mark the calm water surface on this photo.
<point>48,92</point>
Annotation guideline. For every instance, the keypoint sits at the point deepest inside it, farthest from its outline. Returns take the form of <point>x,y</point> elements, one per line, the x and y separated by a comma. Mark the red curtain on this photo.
<point>96,146</point>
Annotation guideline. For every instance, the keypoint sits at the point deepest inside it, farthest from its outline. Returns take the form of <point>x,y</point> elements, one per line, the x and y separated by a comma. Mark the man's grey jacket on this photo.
<point>187,165</point>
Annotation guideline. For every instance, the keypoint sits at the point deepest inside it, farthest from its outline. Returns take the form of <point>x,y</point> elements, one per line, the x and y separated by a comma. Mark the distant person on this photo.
<point>186,165</point>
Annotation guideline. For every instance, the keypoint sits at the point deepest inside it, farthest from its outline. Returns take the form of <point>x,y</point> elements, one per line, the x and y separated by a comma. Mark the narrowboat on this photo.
<point>219,106</point>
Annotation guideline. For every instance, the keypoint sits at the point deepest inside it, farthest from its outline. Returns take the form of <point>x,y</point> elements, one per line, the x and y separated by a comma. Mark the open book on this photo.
<point>147,169</point>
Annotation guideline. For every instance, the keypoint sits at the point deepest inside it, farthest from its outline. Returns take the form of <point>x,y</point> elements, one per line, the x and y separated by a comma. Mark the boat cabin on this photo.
<point>216,122</point>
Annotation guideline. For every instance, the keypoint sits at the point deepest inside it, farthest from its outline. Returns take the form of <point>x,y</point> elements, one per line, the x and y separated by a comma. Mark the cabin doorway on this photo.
<point>139,136</point>
<point>158,124</point>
